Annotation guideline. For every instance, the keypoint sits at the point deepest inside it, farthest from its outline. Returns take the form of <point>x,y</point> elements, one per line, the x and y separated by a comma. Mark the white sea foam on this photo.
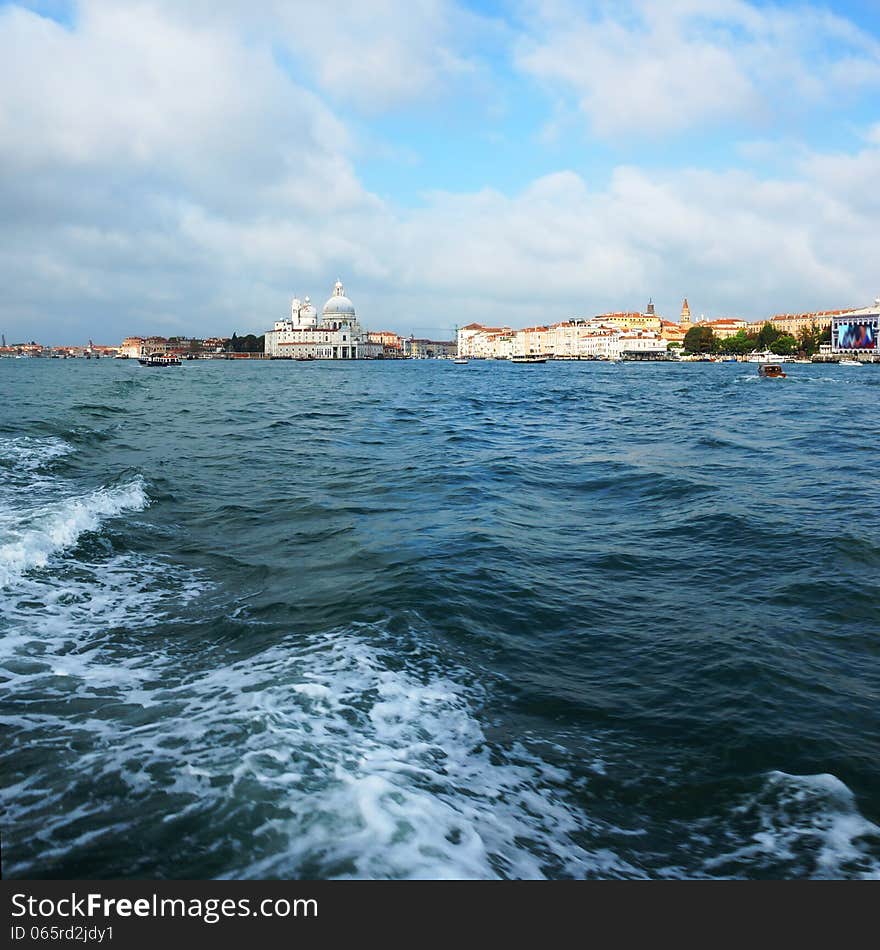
<point>29,453</point>
<point>33,536</point>
<point>335,763</point>
<point>808,824</point>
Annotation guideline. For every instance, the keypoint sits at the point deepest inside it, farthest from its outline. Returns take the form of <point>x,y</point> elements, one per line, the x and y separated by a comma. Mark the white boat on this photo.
<point>460,361</point>
<point>528,358</point>
<point>159,359</point>
<point>847,362</point>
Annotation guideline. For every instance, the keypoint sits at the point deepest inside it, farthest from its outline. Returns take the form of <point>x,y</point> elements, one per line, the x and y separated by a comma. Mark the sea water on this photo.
<point>419,620</point>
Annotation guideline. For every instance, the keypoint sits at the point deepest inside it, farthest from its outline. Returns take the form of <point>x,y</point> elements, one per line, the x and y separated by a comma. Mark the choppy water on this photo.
<point>426,620</point>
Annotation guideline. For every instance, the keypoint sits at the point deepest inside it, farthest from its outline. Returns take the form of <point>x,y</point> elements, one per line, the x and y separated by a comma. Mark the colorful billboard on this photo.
<point>855,333</point>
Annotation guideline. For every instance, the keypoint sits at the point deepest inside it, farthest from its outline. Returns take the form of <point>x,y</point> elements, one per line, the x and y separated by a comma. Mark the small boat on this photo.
<point>159,359</point>
<point>528,358</point>
<point>848,362</point>
<point>460,361</point>
<point>771,371</point>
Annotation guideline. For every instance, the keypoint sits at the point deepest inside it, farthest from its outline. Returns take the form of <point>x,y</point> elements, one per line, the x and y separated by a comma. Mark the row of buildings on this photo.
<point>642,335</point>
<point>606,336</point>
<point>38,350</point>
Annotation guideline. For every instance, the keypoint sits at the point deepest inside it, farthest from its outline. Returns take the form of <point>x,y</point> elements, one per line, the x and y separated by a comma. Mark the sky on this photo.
<point>186,169</point>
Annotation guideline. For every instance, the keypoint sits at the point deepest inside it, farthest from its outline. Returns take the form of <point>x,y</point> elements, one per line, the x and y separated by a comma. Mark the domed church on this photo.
<point>338,335</point>
<point>338,308</point>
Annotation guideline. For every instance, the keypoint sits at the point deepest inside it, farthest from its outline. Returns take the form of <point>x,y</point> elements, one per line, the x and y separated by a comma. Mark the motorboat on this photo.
<point>771,371</point>
<point>528,358</point>
<point>848,362</point>
<point>460,361</point>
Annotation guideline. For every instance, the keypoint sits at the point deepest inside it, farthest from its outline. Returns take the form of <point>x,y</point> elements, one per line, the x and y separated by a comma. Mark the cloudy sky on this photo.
<point>172,167</point>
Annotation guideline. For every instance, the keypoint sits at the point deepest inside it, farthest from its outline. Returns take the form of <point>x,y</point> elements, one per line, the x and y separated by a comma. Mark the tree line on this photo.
<point>246,344</point>
<point>703,340</point>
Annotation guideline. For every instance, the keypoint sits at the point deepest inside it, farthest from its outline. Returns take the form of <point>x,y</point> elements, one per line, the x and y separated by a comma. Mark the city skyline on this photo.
<point>185,171</point>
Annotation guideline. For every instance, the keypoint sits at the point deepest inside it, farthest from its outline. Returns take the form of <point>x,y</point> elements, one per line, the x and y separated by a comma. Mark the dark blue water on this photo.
<point>424,620</point>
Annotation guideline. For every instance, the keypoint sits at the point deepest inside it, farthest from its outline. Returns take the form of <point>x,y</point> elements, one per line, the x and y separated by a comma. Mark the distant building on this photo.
<point>856,331</point>
<point>480,342</point>
<point>137,346</point>
<point>427,349</point>
<point>214,344</point>
<point>795,323</point>
<point>632,320</point>
<point>132,346</point>
<point>392,343</point>
<point>642,344</point>
<point>672,332</point>
<point>725,327</point>
<point>336,336</point>
<point>570,339</point>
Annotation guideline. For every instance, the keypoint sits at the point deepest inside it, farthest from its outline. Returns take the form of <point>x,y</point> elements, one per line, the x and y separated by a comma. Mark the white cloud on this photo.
<point>647,68</point>
<point>373,56</point>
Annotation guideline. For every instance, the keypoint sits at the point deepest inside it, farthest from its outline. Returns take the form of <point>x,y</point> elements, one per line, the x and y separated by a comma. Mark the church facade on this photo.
<point>336,335</point>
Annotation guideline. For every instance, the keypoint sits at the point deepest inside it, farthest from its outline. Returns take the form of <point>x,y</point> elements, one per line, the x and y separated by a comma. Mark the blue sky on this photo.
<point>188,168</point>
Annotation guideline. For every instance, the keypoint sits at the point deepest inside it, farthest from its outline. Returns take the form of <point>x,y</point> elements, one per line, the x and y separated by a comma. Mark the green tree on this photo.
<point>699,340</point>
<point>767,335</point>
<point>740,343</point>
<point>811,337</point>
<point>784,345</point>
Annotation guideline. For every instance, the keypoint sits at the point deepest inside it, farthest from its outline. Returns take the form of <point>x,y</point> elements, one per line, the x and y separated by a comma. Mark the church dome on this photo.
<point>338,304</point>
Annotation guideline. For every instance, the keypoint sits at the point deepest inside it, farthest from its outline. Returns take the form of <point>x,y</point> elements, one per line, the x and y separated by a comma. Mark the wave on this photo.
<point>802,826</point>
<point>329,757</point>
<point>57,526</point>
<point>32,454</point>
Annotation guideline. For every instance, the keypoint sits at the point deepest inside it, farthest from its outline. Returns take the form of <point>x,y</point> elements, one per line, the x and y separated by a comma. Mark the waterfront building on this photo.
<point>480,342</point>
<point>570,339</point>
<point>392,343</point>
<point>583,339</point>
<point>532,341</point>
<point>336,336</point>
<point>857,332</point>
<point>632,320</point>
<point>795,323</point>
<point>642,344</point>
<point>132,347</point>
<point>672,332</point>
<point>426,349</point>
<point>138,346</point>
<point>725,327</point>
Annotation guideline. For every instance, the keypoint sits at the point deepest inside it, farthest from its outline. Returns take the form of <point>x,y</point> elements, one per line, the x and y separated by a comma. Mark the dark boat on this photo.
<point>771,371</point>
<point>159,359</point>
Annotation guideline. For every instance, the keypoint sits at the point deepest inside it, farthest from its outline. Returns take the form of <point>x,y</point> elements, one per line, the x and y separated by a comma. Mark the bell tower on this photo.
<point>685,319</point>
